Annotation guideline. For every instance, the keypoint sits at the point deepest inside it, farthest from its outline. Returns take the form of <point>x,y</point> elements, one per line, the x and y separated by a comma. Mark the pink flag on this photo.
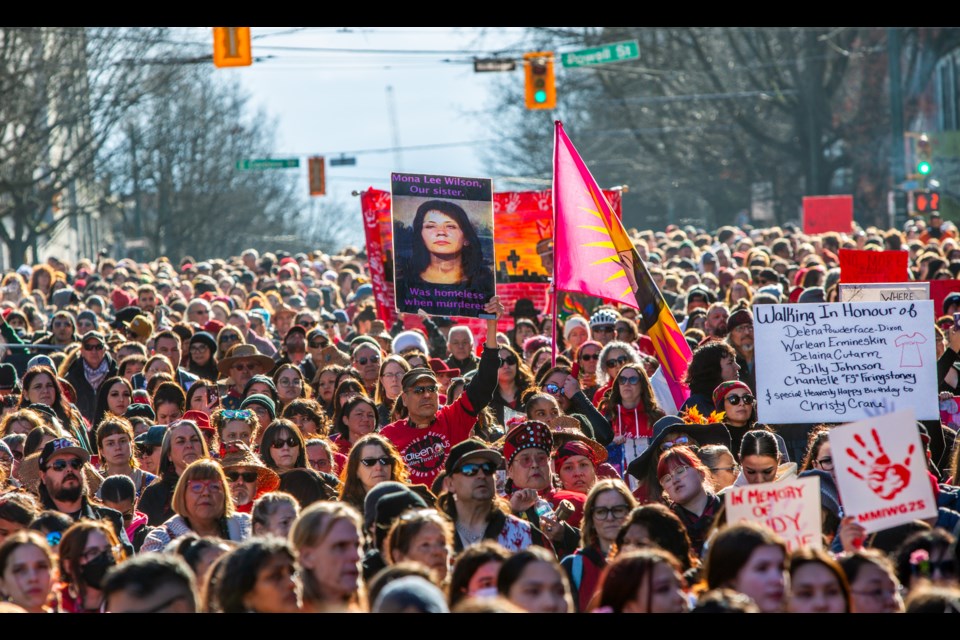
<point>594,255</point>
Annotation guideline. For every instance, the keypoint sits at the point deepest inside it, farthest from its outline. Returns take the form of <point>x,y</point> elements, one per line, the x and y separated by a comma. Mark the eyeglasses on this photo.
<point>743,328</point>
<point>318,344</point>
<point>93,346</point>
<point>279,443</point>
<point>236,414</point>
<point>199,348</point>
<point>287,382</point>
<point>508,360</point>
<point>825,463</point>
<point>383,461</point>
<point>247,476</point>
<point>747,399</point>
<point>396,374</point>
<point>678,442</point>
<point>473,468</point>
<point>674,475</point>
<point>604,513</point>
<point>426,388</point>
<point>612,362</point>
<point>197,486</point>
<point>536,460</point>
<point>552,388</point>
<point>631,380</point>
<point>365,359</point>
<point>59,465</point>
<point>587,357</point>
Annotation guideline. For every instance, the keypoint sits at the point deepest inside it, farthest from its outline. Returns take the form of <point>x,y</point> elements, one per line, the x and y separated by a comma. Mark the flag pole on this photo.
<point>553,280</point>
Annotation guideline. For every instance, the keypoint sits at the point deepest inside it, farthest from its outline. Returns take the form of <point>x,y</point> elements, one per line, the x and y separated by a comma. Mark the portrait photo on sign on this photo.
<point>443,244</point>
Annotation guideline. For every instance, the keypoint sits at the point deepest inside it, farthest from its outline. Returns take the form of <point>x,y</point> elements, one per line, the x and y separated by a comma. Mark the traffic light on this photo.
<point>926,201</point>
<point>541,91</point>
<point>231,47</point>
<point>318,178</point>
<point>924,155</point>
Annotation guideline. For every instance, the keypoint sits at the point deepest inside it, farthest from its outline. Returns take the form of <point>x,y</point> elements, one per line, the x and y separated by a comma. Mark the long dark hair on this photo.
<point>67,415</point>
<point>471,256</point>
<point>647,400</point>
<point>703,374</point>
<point>272,432</point>
<point>100,412</point>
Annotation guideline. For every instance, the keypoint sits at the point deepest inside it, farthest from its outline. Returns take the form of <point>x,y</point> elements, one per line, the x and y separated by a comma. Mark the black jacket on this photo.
<point>87,395</point>
<point>92,511</point>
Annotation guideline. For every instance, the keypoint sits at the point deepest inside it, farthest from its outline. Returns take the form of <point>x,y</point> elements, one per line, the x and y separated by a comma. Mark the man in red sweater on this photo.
<point>424,438</point>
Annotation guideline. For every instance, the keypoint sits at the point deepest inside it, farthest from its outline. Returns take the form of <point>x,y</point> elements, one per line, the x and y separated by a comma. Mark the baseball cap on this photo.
<point>61,445</point>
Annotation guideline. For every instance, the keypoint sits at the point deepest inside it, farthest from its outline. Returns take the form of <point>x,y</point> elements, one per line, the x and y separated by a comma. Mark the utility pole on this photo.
<point>897,159</point>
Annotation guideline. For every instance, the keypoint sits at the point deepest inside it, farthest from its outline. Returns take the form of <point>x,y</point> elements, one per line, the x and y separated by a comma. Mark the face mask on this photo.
<point>94,571</point>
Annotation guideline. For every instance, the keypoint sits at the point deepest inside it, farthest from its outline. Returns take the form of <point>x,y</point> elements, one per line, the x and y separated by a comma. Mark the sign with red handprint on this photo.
<point>881,472</point>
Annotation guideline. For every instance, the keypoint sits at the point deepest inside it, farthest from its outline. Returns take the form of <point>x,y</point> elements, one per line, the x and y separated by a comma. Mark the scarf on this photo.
<point>96,376</point>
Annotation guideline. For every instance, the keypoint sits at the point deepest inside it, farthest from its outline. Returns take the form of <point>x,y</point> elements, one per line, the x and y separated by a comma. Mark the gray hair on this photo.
<point>630,350</point>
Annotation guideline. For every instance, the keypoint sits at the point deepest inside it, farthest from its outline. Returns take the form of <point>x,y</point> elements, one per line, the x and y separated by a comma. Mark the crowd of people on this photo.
<point>246,435</point>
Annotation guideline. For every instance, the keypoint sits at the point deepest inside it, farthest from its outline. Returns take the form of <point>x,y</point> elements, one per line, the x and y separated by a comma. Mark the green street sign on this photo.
<point>614,52</point>
<point>269,163</point>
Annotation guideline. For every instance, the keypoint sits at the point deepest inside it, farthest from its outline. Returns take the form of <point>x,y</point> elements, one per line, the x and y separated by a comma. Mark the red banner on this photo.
<point>940,289</point>
<point>827,213</point>
<point>858,267</point>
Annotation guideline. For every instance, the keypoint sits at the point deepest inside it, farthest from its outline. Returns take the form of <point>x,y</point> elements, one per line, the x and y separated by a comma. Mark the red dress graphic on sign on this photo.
<point>910,350</point>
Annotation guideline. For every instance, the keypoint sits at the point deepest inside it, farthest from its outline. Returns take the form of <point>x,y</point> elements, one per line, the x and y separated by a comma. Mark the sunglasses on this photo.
<point>552,388</point>
<point>508,361</point>
<point>280,442</point>
<point>631,380</point>
<point>612,362</point>
<point>247,476</point>
<point>230,338</point>
<point>587,357</point>
<point>364,360</point>
<point>318,344</point>
<point>746,398</point>
<point>145,450</point>
<point>236,414</point>
<point>679,442</point>
<point>383,461</point>
<point>94,346</point>
<point>427,388</point>
<point>473,468</point>
<point>74,463</point>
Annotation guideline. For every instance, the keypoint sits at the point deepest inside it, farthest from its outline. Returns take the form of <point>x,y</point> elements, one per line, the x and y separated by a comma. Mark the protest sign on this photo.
<point>873,266</point>
<point>884,292</point>
<point>827,213</point>
<point>950,412</point>
<point>443,244</point>
<point>881,471</point>
<point>844,361</point>
<point>940,289</point>
<point>791,508</point>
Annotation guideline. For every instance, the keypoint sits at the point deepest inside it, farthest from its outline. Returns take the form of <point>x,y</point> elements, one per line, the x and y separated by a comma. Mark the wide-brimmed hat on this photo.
<point>566,435</point>
<point>243,352</point>
<point>237,455</point>
<point>665,428</point>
